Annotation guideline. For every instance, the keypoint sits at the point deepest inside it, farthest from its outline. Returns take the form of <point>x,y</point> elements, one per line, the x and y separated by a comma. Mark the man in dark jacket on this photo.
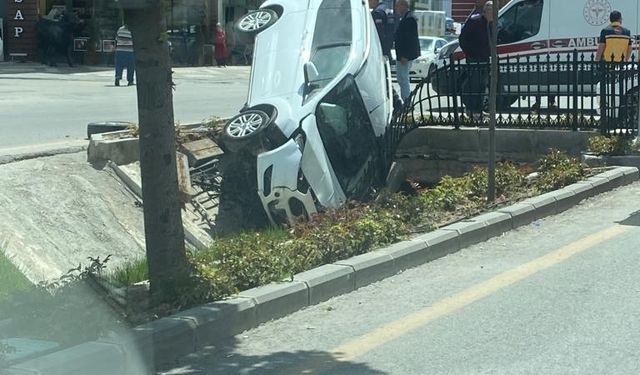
<point>474,41</point>
<point>407,46</point>
<point>385,25</point>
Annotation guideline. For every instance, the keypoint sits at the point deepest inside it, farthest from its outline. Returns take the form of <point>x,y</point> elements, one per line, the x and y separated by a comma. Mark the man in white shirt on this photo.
<point>124,55</point>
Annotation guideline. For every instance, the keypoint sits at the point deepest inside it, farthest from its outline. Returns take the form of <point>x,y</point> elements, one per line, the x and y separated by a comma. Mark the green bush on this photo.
<point>241,262</point>
<point>246,260</point>
<point>615,145</point>
<point>557,170</point>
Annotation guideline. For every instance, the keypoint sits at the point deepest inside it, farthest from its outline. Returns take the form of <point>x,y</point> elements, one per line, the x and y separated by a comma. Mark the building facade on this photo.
<point>460,9</point>
<point>190,24</point>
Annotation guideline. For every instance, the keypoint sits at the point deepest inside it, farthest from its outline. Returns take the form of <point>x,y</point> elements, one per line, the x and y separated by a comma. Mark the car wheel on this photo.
<point>243,131</point>
<point>432,71</point>
<point>256,21</point>
<point>628,113</point>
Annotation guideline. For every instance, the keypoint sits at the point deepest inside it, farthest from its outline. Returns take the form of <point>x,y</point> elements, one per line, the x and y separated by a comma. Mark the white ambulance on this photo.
<point>537,30</point>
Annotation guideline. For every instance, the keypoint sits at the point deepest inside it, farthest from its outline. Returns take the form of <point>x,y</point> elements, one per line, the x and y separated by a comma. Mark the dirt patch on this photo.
<point>57,211</point>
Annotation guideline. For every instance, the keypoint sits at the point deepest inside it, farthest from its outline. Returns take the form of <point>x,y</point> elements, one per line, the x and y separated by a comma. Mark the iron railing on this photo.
<point>560,91</point>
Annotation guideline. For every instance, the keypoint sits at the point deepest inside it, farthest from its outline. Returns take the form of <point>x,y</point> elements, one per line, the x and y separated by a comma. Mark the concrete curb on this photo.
<point>167,339</point>
<point>6,159</point>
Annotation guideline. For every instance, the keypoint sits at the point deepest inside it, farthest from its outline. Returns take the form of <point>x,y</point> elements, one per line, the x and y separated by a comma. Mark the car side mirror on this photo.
<point>310,73</point>
<point>437,50</point>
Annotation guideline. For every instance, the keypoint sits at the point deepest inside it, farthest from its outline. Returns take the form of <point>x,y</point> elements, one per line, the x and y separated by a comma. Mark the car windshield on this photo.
<point>426,44</point>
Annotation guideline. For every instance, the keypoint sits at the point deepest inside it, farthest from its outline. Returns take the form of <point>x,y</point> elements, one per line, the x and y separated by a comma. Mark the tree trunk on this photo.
<point>168,267</point>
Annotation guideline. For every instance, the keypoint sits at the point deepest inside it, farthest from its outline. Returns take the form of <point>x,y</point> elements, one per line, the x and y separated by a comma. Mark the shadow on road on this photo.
<point>632,220</point>
<point>225,361</point>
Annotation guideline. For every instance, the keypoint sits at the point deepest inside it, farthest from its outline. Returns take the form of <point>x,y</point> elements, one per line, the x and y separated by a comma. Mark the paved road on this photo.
<point>560,296</point>
<point>51,105</point>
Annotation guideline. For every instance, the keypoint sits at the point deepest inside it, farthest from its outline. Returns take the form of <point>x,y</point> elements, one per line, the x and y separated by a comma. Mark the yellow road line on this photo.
<point>384,334</point>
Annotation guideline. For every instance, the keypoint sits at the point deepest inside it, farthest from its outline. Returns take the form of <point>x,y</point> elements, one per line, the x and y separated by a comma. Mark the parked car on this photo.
<point>319,104</point>
<point>429,48</point>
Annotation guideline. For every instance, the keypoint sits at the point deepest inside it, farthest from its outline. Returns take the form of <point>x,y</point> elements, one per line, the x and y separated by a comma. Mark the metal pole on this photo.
<point>493,90</point>
<point>636,93</point>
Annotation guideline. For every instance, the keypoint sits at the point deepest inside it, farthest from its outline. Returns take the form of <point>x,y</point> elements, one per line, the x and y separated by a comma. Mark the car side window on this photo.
<point>440,44</point>
<point>346,132</point>
<point>520,22</point>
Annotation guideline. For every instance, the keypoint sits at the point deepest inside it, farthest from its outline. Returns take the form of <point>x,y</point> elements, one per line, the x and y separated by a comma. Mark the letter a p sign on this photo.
<point>17,31</point>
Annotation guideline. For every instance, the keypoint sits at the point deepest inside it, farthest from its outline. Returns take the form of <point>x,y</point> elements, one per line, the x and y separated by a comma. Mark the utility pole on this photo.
<point>493,91</point>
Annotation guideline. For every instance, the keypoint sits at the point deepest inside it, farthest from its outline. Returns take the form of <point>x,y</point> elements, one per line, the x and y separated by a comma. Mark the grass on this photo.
<point>130,273</point>
<point>11,279</point>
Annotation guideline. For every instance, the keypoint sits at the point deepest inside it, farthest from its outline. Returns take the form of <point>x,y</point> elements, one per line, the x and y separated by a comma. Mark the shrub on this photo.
<point>509,179</point>
<point>557,170</point>
<point>241,262</point>
<point>450,193</point>
<point>615,145</point>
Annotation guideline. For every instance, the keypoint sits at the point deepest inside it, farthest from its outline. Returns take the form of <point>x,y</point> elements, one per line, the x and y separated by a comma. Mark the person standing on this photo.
<point>124,55</point>
<point>477,9</point>
<point>474,41</point>
<point>385,24</point>
<point>614,44</point>
<point>407,46</point>
<point>221,51</point>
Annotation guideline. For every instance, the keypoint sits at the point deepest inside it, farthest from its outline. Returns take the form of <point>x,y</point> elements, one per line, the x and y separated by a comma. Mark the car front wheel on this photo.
<point>244,131</point>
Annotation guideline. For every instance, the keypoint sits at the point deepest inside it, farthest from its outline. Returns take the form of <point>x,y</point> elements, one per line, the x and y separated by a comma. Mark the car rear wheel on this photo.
<point>256,21</point>
<point>243,131</point>
<point>628,113</point>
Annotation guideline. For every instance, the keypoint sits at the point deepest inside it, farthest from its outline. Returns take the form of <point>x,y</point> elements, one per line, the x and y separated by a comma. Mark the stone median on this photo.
<point>167,339</point>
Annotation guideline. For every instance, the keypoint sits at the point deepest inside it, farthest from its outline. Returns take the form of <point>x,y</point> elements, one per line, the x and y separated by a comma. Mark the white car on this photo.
<point>311,134</point>
<point>429,48</point>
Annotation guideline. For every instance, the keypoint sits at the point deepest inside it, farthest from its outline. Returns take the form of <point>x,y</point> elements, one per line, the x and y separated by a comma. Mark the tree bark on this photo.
<point>168,267</point>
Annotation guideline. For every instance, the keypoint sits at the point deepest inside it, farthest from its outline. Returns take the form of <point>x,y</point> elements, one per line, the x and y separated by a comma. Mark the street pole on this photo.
<point>493,90</point>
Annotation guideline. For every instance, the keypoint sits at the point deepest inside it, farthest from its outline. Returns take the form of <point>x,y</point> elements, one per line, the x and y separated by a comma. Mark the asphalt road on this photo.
<point>53,105</point>
<point>560,296</point>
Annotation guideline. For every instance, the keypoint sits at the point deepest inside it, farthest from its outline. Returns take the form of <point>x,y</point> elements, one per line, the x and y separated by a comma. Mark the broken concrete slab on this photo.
<point>120,147</point>
<point>200,151</point>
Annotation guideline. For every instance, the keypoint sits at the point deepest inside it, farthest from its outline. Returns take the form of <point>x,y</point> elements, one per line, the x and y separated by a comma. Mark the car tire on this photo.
<point>106,127</point>
<point>628,113</point>
<point>256,21</point>
<point>244,131</point>
<point>504,102</point>
<point>431,72</point>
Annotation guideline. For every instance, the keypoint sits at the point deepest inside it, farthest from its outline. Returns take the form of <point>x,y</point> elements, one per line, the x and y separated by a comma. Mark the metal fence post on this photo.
<point>603,96</point>
<point>453,87</point>
<point>574,65</point>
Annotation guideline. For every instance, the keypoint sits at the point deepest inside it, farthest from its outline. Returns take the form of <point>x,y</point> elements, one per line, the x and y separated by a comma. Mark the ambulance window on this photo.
<point>520,22</point>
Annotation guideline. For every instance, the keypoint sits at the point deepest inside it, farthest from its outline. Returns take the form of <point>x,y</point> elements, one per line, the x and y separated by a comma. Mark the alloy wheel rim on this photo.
<point>255,21</point>
<point>244,125</point>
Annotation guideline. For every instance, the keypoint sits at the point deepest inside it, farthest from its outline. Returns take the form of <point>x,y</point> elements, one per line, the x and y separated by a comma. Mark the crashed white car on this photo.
<point>319,105</point>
